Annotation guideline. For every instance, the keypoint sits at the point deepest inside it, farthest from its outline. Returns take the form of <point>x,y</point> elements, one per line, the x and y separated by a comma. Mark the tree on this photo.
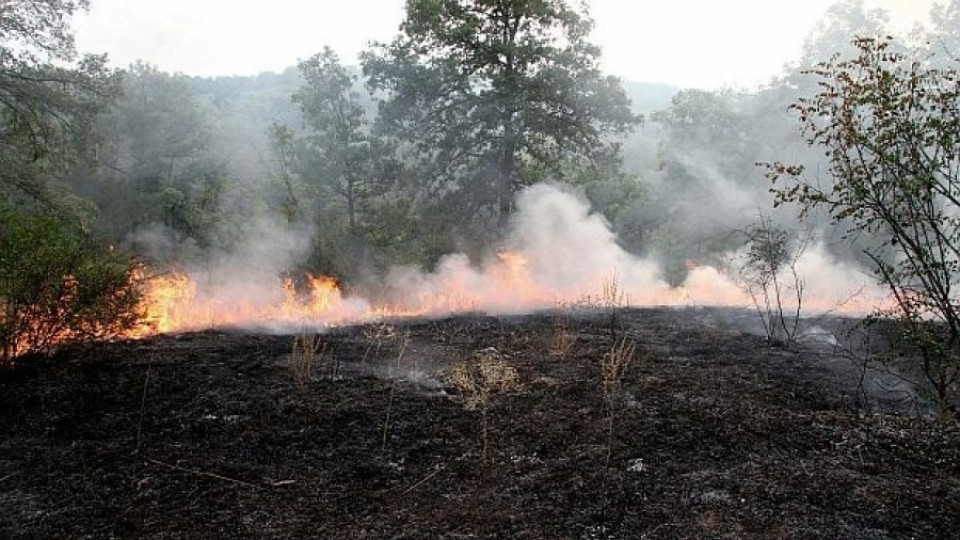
<point>890,130</point>
<point>706,158</point>
<point>47,107</point>
<point>156,164</point>
<point>943,34</point>
<point>56,284</point>
<point>768,274</point>
<point>337,151</point>
<point>833,33</point>
<point>484,90</point>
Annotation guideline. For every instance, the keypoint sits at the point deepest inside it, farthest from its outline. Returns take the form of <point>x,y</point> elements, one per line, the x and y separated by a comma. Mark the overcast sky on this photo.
<point>691,43</point>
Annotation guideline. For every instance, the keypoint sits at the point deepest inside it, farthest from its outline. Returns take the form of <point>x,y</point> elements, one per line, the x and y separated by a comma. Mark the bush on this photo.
<point>889,127</point>
<point>768,274</point>
<point>57,287</point>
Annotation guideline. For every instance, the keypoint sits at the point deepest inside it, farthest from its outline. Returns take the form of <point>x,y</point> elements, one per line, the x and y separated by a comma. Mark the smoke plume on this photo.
<point>558,252</point>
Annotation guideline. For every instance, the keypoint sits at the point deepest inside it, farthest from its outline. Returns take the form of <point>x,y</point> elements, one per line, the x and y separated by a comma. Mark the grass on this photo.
<point>478,381</point>
<point>308,353</point>
<point>614,365</point>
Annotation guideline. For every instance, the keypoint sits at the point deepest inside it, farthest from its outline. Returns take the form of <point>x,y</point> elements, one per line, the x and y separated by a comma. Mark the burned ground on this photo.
<point>716,434</point>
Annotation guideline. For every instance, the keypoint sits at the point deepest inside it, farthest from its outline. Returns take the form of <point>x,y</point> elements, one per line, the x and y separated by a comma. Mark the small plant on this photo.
<point>768,274</point>
<point>478,381</point>
<point>562,339</point>
<point>308,352</point>
<point>613,298</point>
<point>613,366</point>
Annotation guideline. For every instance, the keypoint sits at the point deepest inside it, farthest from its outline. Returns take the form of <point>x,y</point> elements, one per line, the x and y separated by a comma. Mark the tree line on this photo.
<point>420,150</point>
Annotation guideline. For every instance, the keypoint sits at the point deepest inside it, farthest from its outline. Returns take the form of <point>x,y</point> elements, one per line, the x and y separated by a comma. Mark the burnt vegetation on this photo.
<point>591,420</point>
<point>693,429</point>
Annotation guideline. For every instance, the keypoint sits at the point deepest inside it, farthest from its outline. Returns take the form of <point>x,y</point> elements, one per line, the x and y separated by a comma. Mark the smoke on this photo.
<point>573,250</point>
<point>557,252</point>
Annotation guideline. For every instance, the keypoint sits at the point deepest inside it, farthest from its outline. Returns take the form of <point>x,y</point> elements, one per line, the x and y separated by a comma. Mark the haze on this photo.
<point>688,43</point>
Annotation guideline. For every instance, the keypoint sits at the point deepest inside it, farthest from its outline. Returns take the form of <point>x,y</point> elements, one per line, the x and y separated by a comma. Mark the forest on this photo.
<point>476,287</point>
<point>485,131</point>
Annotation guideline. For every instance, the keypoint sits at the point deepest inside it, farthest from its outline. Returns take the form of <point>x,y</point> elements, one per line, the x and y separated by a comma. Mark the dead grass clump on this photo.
<point>478,381</point>
<point>613,366</point>
<point>562,338</point>
<point>308,354</point>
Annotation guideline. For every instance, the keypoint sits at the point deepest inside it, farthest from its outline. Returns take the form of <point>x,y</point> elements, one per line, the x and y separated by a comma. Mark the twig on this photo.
<point>204,473</point>
<point>426,478</point>
<point>386,420</point>
<point>143,405</point>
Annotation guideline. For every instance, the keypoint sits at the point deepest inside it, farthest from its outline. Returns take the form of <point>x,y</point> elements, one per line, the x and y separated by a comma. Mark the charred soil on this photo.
<point>716,434</point>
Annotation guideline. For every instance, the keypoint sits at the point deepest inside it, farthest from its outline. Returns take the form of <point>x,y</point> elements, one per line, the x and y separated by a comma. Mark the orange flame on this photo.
<point>506,284</point>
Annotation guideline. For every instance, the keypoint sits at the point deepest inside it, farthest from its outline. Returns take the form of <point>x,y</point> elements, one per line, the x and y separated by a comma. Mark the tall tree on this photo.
<point>943,34</point>
<point>156,164</point>
<point>337,151</point>
<point>486,89</point>
<point>839,25</point>
<point>47,105</point>
<point>56,285</point>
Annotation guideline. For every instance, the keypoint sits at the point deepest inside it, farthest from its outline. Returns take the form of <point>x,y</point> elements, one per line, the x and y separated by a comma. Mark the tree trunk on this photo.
<point>506,171</point>
<point>351,205</point>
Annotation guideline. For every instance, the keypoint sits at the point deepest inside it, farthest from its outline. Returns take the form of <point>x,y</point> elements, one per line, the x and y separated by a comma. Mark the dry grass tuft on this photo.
<point>614,365</point>
<point>477,381</point>
<point>562,338</point>
<point>308,353</point>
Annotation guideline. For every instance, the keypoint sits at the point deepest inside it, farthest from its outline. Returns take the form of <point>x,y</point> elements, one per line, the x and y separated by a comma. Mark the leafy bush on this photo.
<point>57,287</point>
<point>888,126</point>
<point>768,274</point>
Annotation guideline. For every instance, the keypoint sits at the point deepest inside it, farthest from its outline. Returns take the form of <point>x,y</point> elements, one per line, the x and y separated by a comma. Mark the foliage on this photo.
<point>57,287</point>
<point>334,171</point>
<point>768,273</point>
<point>480,90</point>
<point>706,161</point>
<point>833,33</point>
<point>47,106</point>
<point>156,164</point>
<point>400,233</point>
<point>337,153</point>
<point>890,128</point>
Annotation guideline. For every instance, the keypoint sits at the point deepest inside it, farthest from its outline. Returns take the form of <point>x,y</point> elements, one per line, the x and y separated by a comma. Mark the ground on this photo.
<point>712,433</point>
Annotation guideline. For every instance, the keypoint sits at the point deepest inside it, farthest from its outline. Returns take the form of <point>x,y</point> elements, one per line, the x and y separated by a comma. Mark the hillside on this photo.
<point>715,434</point>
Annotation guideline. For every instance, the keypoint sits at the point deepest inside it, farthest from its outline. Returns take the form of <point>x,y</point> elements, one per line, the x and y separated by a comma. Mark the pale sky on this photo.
<point>690,43</point>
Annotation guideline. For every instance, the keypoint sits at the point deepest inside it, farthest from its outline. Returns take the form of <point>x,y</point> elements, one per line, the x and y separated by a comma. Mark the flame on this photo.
<point>508,283</point>
<point>175,302</point>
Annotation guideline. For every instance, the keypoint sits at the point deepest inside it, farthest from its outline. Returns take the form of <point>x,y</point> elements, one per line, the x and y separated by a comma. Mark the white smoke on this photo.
<point>570,254</point>
<point>557,252</point>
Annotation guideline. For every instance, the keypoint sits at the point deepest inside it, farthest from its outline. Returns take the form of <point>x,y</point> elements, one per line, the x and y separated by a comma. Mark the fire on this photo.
<point>175,303</point>
<point>510,282</point>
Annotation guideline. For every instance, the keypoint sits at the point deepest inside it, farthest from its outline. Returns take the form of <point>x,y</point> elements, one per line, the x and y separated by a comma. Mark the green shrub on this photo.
<point>57,287</point>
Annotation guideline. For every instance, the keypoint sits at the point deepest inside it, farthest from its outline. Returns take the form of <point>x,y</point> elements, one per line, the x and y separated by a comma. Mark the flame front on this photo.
<point>175,303</point>
<point>509,283</point>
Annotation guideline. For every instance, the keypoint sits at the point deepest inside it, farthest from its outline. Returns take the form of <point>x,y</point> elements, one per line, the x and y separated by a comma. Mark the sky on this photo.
<point>689,43</point>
